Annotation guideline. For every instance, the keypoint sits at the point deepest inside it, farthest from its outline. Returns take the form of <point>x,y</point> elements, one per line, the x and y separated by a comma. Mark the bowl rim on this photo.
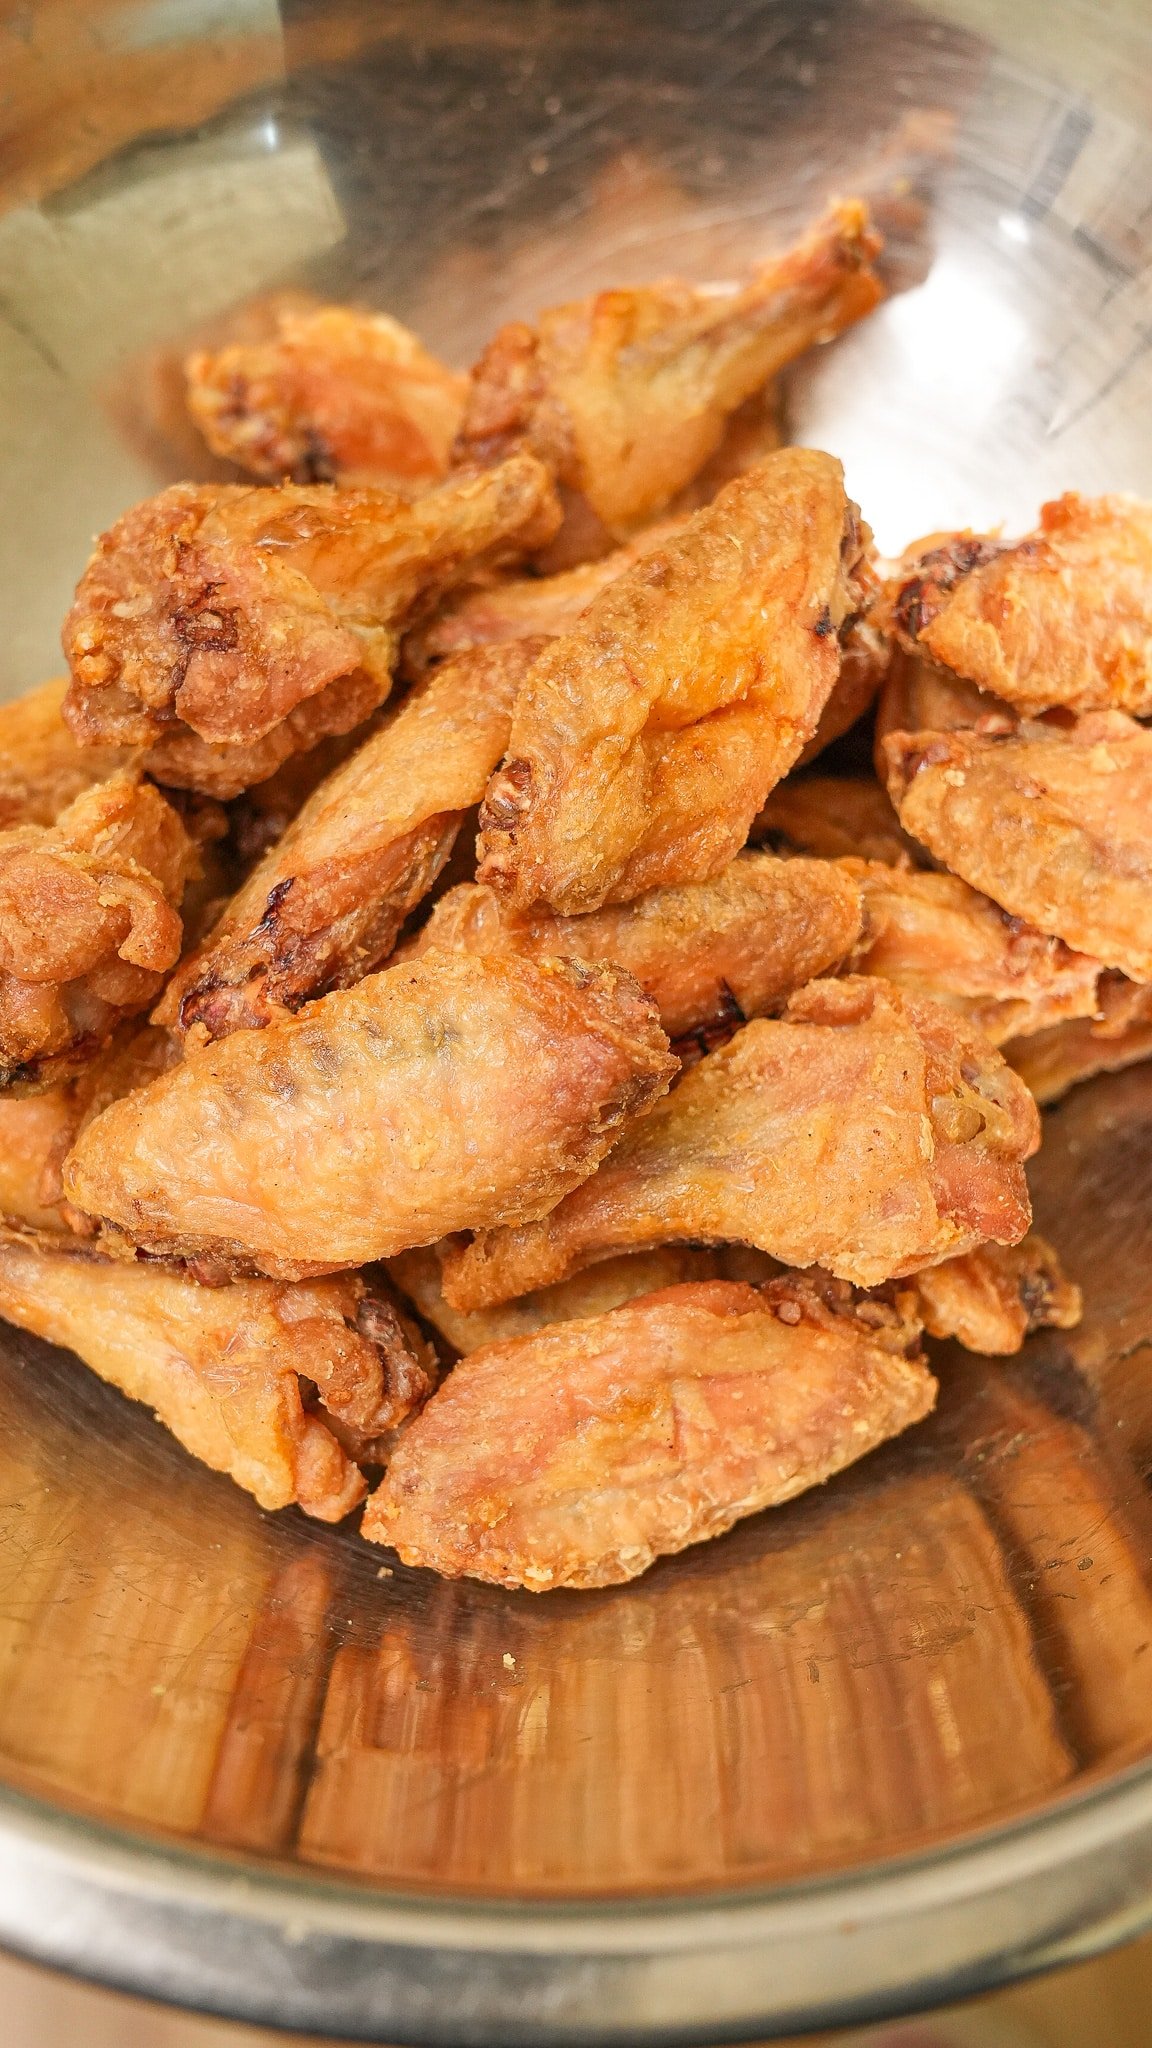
<point>222,1933</point>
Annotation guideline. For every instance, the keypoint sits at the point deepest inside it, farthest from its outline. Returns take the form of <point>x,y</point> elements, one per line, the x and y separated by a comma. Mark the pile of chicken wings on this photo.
<point>460,1046</point>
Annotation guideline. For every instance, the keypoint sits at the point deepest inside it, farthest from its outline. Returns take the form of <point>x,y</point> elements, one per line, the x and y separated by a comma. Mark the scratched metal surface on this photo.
<point>885,1744</point>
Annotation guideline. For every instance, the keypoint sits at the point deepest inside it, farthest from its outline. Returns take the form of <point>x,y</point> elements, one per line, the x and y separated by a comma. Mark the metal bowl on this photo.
<point>876,1749</point>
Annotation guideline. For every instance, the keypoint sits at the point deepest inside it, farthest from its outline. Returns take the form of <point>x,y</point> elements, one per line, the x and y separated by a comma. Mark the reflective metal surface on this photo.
<point>880,1747</point>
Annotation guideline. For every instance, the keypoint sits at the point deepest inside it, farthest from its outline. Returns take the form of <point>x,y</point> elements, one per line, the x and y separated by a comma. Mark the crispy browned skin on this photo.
<point>1052,823</point>
<point>88,924</point>
<point>709,953</point>
<point>834,815</point>
<point>325,904</point>
<point>1061,617</point>
<point>868,1131</point>
<point>935,936</point>
<point>578,1456</point>
<point>1053,1061</point>
<point>645,741</point>
<point>214,612</point>
<point>864,655</point>
<point>42,770</point>
<point>226,1368</point>
<point>916,696</point>
<point>591,1293</point>
<point>451,1093</point>
<point>334,396</point>
<point>626,395</point>
<point>994,1297</point>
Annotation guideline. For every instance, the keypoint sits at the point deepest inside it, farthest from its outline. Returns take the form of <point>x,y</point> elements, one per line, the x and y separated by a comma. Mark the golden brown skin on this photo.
<point>333,396</point>
<point>1053,1061</point>
<point>324,906</point>
<point>868,1131</point>
<point>452,1093</point>
<point>1063,617</point>
<point>834,815</point>
<point>645,741</point>
<point>42,770</point>
<point>226,1368</point>
<point>1051,822</point>
<point>214,612</point>
<point>88,925</point>
<point>591,1293</point>
<point>994,1297</point>
<point>935,936</point>
<point>576,1457</point>
<point>626,395</point>
<point>35,1133</point>
<point>709,954</point>
<point>916,696</point>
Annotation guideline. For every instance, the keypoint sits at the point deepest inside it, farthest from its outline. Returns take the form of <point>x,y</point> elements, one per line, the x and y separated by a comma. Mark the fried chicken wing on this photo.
<point>934,935</point>
<point>88,924</point>
<point>325,904</point>
<point>210,616</point>
<point>35,1133</point>
<point>1120,1035</point>
<point>867,1131</point>
<point>42,770</point>
<point>451,1093</point>
<point>590,1293</point>
<point>227,1369</point>
<point>1061,617</point>
<point>578,1456</point>
<point>1052,823</point>
<point>916,696</point>
<point>645,741</point>
<point>626,395</point>
<point>334,396</point>
<point>992,1298</point>
<point>708,953</point>
<point>832,816</point>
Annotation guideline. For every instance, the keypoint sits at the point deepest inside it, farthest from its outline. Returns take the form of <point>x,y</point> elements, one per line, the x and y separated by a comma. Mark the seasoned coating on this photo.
<point>325,904</point>
<point>578,1456</point>
<point>335,395</point>
<point>709,953</point>
<point>42,770</point>
<point>934,935</point>
<point>834,815</point>
<point>88,924</point>
<point>645,741</point>
<point>1053,1061</point>
<point>1052,823</point>
<point>216,611</point>
<point>452,1093</point>
<point>591,1293</point>
<point>993,1298</point>
<point>626,395</point>
<point>868,1131</point>
<point>227,1369</point>
<point>1063,617</point>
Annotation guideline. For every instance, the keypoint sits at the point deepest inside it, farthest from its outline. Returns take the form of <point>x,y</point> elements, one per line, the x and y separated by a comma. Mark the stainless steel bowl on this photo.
<point>876,1749</point>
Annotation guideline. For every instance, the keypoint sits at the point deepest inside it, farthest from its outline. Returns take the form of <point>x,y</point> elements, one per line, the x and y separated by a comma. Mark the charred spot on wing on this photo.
<point>205,628</point>
<point>938,573</point>
<point>695,1045</point>
<point>272,907</point>
<point>508,796</point>
<point>824,625</point>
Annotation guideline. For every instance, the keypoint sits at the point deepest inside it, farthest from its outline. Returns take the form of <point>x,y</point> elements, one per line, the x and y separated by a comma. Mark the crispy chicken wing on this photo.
<point>992,1298</point>
<point>590,1293</point>
<point>918,697</point>
<point>229,1369</point>
<point>577,1456</point>
<point>708,953</point>
<point>451,1093</point>
<point>934,935</point>
<point>626,395</point>
<point>834,815</point>
<point>1053,1061</point>
<point>1062,617</point>
<point>645,740</point>
<point>868,1131</point>
<point>88,924</point>
<point>212,614</point>
<point>1052,823</point>
<point>325,904</point>
<point>334,396</point>
<point>42,770</point>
